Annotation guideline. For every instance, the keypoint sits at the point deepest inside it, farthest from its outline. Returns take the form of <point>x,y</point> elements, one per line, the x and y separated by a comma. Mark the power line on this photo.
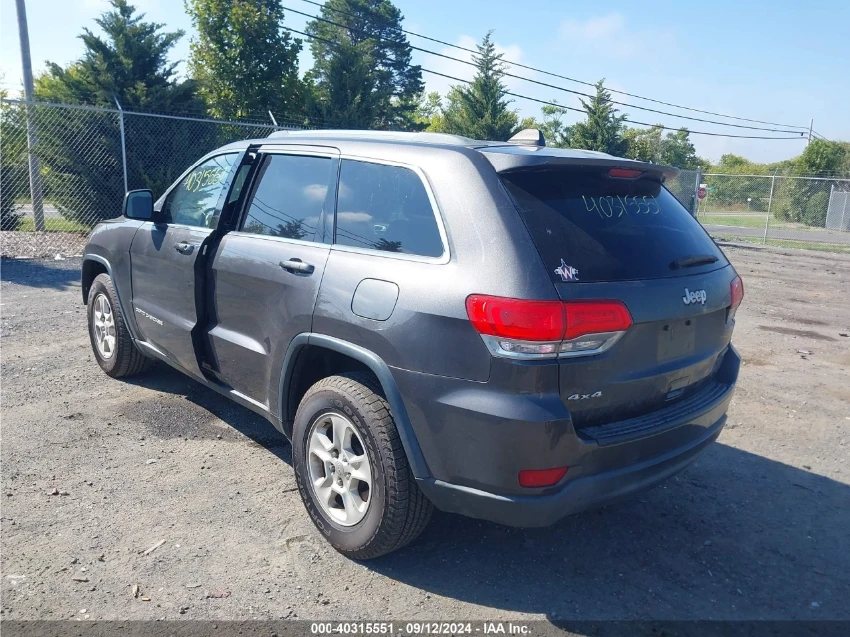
<point>569,79</point>
<point>546,84</point>
<point>561,106</point>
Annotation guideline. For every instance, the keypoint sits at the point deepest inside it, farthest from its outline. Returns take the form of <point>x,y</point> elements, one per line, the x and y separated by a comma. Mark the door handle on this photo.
<point>184,248</point>
<point>297,266</point>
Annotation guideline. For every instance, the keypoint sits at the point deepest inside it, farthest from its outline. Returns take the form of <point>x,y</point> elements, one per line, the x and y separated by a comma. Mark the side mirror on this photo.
<point>138,204</point>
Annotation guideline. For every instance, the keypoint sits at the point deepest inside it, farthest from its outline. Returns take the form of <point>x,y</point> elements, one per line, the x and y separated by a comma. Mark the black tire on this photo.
<point>398,511</point>
<point>126,359</point>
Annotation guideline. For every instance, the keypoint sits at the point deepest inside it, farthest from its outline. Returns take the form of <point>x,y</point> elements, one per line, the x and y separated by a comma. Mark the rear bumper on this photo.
<point>582,493</point>
<point>476,442</point>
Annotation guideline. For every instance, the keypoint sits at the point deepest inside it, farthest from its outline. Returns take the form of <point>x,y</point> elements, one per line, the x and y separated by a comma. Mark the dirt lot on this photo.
<point>758,528</point>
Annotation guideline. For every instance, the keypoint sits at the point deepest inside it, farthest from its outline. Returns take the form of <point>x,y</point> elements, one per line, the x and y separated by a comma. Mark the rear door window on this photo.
<point>290,197</point>
<point>589,227</point>
<point>382,207</point>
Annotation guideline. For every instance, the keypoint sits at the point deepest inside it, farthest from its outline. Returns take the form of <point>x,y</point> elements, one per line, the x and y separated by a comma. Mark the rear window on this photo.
<point>589,227</point>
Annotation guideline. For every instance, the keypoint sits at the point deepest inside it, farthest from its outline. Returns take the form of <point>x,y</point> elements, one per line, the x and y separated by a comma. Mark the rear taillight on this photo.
<point>592,317</point>
<point>518,328</point>
<point>737,292</point>
<point>541,477</point>
<point>516,318</point>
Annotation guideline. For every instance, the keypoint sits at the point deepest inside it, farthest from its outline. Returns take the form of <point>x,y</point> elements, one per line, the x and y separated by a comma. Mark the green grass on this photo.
<point>785,243</point>
<point>753,220</point>
<point>54,225</point>
<point>740,221</point>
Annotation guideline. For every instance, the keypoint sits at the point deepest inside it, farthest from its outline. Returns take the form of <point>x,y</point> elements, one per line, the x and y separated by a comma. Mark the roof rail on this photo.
<point>424,138</point>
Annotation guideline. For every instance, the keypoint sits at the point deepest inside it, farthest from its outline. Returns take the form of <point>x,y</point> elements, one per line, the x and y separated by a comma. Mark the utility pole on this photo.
<point>32,139</point>
<point>811,124</point>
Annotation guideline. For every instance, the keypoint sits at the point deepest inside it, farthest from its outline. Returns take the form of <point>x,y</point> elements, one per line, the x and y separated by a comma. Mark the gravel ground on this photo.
<point>38,245</point>
<point>756,529</point>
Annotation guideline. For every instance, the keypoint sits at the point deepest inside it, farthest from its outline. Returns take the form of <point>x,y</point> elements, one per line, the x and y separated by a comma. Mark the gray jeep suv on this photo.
<point>500,330</point>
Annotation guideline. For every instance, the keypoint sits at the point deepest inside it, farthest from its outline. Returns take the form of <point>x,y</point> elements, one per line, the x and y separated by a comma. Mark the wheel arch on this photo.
<point>94,265</point>
<point>358,358</point>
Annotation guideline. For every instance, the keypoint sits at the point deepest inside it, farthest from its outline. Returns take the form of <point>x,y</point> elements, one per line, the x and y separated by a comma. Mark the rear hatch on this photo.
<point>618,234</point>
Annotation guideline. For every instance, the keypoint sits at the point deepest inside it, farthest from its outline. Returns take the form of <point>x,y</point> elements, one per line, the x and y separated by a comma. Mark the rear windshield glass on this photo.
<point>589,227</point>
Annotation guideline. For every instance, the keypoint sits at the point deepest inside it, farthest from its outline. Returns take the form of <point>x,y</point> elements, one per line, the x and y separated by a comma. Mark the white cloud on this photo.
<point>606,35</point>
<point>316,192</point>
<point>354,217</point>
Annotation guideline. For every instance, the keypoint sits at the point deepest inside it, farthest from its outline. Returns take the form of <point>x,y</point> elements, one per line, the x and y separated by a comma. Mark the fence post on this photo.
<point>695,205</point>
<point>769,205</point>
<point>36,190</point>
<point>123,144</point>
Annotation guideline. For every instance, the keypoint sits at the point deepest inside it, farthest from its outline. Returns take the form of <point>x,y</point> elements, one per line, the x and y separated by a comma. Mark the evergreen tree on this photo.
<point>243,60</point>
<point>362,76</point>
<point>479,110</point>
<point>602,130</point>
<point>14,179</point>
<point>128,62</point>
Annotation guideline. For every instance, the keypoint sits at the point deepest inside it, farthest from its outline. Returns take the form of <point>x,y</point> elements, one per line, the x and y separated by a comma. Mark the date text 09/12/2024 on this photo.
<point>419,628</point>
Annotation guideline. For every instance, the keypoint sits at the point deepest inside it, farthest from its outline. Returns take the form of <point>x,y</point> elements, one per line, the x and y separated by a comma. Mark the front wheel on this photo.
<point>111,342</point>
<point>351,469</point>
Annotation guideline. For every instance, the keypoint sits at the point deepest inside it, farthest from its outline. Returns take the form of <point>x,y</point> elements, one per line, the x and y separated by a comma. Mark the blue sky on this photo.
<point>781,61</point>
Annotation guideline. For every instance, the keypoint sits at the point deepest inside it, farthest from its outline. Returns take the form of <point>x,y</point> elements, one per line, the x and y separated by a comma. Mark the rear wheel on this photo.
<point>111,343</point>
<point>351,469</point>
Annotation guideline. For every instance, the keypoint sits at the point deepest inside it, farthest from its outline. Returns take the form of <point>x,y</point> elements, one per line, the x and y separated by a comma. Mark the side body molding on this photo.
<point>405,431</point>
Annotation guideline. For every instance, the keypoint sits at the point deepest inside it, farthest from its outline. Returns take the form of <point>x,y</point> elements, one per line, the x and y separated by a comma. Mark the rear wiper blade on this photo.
<point>693,260</point>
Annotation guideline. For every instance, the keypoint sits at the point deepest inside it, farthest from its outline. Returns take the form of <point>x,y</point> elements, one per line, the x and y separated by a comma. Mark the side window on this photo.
<point>385,208</point>
<point>193,201</point>
<point>238,183</point>
<point>290,197</point>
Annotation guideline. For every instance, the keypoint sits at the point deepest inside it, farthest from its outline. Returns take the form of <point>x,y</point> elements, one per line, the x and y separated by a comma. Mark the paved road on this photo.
<point>50,211</point>
<point>786,234</point>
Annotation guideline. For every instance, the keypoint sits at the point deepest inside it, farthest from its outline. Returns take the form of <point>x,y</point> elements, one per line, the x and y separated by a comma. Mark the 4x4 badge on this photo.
<point>566,272</point>
<point>596,394</point>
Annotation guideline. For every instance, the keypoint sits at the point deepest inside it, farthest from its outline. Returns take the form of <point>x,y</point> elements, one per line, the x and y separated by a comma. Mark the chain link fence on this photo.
<point>684,187</point>
<point>86,158</point>
<point>782,210</point>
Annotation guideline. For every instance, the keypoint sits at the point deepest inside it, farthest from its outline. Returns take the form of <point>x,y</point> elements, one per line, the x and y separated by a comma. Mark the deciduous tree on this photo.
<point>243,60</point>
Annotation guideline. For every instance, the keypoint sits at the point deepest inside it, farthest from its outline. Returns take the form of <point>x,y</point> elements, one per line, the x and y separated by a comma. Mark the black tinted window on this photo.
<point>193,201</point>
<point>385,208</point>
<point>589,227</point>
<point>289,198</point>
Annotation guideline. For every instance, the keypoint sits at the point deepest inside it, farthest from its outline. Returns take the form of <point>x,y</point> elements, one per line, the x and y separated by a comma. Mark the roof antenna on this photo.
<point>528,137</point>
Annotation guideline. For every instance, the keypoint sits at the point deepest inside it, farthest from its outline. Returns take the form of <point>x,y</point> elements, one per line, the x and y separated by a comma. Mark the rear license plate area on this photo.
<point>676,339</point>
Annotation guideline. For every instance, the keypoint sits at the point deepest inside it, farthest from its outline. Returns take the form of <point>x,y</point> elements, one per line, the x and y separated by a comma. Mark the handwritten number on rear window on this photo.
<point>609,207</point>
